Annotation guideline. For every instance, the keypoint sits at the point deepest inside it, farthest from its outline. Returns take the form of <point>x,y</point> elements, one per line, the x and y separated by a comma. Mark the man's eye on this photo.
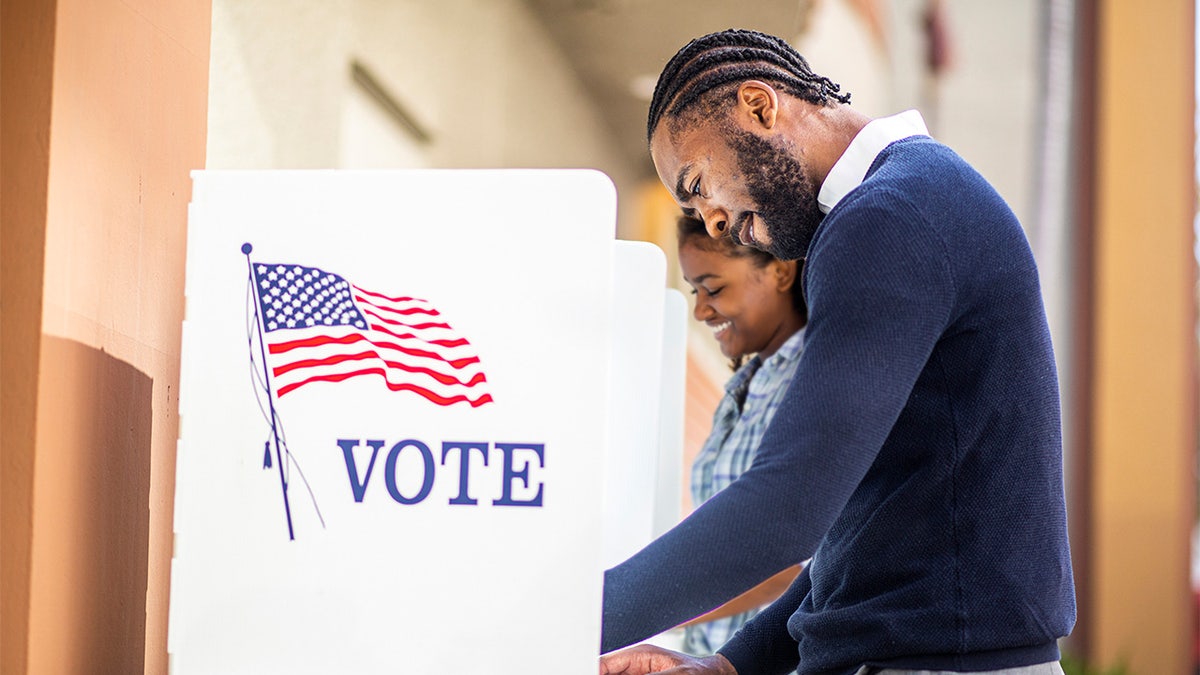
<point>696,187</point>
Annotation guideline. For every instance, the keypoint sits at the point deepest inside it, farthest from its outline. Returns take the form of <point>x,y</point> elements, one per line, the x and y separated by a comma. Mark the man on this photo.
<point>917,456</point>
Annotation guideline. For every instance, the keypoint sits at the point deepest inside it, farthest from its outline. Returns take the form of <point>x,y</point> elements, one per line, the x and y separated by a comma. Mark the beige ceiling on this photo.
<point>618,46</point>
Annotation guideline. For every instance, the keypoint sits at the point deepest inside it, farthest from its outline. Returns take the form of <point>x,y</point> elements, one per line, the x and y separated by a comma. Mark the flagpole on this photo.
<point>287,509</point>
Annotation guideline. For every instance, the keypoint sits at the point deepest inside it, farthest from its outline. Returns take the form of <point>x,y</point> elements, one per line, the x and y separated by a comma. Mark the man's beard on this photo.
<point>783,191</point>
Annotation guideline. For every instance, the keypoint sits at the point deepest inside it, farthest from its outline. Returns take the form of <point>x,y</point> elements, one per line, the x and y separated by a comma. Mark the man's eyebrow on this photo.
<point>682,193</point>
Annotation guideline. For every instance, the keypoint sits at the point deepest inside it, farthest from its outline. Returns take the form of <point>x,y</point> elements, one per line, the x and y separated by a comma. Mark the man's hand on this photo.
<point>645,659</point>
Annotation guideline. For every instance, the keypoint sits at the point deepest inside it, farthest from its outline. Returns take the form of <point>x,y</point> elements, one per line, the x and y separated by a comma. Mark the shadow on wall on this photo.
<point>96,531</point>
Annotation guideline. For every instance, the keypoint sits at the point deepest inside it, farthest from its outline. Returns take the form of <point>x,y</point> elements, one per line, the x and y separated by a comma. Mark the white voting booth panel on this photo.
<point>646,388</point>
<point>394,410</point>
<point>668,503</point>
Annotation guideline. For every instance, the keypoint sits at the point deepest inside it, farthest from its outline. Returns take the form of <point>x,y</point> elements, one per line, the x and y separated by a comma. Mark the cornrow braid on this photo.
<point>730,56</point>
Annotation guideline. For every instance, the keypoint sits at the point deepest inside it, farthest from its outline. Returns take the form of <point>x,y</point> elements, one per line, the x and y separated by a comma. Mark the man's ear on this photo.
<point>760,101</point>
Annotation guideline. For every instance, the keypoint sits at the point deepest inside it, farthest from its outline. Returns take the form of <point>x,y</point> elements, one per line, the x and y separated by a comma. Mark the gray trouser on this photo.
<point>1051,668</point>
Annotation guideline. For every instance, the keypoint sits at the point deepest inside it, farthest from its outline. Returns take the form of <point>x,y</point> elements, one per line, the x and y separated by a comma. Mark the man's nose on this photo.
<point>716,222</point>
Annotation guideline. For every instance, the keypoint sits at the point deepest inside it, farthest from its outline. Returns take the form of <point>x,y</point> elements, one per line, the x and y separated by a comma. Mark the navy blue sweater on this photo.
<point>917,456</point>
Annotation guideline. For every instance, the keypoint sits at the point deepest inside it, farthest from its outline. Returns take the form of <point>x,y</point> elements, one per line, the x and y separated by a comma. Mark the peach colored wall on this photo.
<point>1145,342</point>
<point>127,122</point>
<point>26,60</point>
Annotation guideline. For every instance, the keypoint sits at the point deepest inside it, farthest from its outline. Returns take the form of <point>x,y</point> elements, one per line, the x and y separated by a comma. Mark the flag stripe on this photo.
<point>399,299</point>
<point>456,342</point>
<point>403,311</point>
<point>405,304</point>
<point>394,386</point>
<point>341,358</point>
<point>282,347</point>
<point>417,326</point>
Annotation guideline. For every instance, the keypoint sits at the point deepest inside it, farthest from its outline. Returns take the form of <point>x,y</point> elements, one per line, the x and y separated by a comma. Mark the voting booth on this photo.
<point>421,411</point>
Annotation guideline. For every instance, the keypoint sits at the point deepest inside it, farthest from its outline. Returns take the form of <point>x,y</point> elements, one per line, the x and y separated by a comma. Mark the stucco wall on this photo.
<point>480,75</point>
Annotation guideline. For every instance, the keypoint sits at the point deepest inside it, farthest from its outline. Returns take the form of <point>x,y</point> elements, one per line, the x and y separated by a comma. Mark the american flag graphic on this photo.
<point>319,327</point>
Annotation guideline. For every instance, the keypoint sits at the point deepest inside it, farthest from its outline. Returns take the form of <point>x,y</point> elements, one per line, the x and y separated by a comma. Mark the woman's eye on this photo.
<point>714,292</point>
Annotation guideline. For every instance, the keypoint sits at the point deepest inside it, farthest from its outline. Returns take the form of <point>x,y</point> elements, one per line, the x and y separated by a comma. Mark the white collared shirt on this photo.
<point>851,168</point>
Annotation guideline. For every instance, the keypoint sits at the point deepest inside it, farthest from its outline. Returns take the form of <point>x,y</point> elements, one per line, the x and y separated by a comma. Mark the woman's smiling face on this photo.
<point>748,307</point>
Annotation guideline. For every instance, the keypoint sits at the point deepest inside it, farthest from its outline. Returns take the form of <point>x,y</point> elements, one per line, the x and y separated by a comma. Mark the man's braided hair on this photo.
<point>731,56</point>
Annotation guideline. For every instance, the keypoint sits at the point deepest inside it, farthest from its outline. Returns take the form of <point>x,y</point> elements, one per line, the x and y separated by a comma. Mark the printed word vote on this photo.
<point>517,460</point>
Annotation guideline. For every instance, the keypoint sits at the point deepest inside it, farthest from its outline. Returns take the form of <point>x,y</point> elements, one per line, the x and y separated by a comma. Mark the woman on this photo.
<point>755,308</point>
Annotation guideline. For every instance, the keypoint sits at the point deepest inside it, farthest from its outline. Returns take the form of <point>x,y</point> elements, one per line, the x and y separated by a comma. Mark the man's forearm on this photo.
<point>762,594</point>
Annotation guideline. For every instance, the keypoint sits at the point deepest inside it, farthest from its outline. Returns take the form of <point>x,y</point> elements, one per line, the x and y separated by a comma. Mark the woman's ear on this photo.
<point>785,274</point>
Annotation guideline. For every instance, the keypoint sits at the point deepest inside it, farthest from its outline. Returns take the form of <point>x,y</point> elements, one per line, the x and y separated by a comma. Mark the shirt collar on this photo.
<point>741,378</point>
<point>851,168</point>
<point>789,350</point>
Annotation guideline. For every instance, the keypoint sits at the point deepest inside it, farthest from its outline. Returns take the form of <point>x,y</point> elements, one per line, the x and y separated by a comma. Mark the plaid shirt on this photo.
<point>751,397</point>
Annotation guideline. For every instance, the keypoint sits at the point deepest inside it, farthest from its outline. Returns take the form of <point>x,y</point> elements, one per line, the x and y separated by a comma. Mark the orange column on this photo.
<point>124,123</point>
<point>26,63</point>
<point>1143,400</point>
